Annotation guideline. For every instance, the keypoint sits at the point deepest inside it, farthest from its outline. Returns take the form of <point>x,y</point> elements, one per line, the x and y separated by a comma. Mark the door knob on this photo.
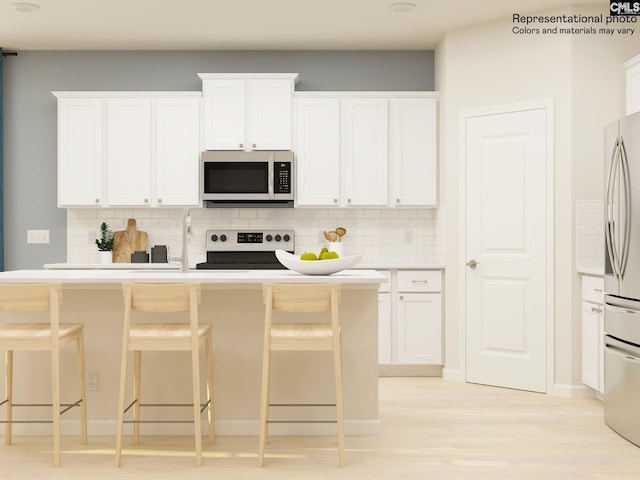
<point>472,264</point>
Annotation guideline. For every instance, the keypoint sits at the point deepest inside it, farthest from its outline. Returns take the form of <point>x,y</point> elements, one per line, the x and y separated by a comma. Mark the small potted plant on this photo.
<point>105,243</point>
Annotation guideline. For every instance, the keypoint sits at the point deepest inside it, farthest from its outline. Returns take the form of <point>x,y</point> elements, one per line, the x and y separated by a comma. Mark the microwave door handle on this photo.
<point>270,175</point>
<point>626,228</point>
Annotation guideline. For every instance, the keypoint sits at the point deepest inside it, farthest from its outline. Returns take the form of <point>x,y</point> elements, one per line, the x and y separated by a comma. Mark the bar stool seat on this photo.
<point>138,337</point>
<point>51,336</point>
<point>298,336</point>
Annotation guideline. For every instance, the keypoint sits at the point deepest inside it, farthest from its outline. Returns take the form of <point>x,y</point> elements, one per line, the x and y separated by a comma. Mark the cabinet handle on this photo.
<point>397,200</point>
<point>348,200</point>
<point>241,145</point>
<point>97,200</point>
<point>596,309</point>
<point>146,200</point>
<point>599,290</point>
<point>401,297</point>
<point>159,200</point>
<point>419,281</point>
<point>335,200</point>
<point>253,145</point>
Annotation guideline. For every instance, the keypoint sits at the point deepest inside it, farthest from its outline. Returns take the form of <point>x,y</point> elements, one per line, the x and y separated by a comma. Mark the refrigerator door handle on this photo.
<point>626,228</point>
<point>610,227</point>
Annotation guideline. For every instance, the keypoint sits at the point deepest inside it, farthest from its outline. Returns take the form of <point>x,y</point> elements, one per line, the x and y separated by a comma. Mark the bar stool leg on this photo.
<point>337,365</point>
<point>210,397</point>
<point>83,387</point>
<point>120,427</point>
<point>137,373</point>
<point>55,395</point>
<point>264,404</point>
<point>8,388</point>
<point>195,374</point>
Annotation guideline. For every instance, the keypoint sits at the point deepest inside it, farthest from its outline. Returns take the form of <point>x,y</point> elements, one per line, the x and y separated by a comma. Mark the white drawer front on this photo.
<point>419,281</point>
<point>592,289</point>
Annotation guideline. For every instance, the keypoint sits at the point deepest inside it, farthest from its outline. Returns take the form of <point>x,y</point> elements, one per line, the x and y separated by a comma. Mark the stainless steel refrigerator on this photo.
<point>622,277</point>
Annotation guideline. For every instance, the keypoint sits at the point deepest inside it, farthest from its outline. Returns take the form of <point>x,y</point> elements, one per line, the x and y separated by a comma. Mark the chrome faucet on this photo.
<point>186,230</point>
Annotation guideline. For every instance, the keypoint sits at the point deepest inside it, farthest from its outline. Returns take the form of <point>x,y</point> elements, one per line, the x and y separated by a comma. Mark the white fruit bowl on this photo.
<point>316,267</point>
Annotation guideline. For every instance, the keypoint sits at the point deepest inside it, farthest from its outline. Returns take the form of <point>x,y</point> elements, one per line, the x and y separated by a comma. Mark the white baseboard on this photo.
<point>571,391</point>
<point>223,427</point>
<point>453,375</point>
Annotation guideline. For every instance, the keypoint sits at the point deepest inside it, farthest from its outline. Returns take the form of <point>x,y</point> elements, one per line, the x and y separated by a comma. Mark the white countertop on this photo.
<point>210,277</point>
<point>176,266</point>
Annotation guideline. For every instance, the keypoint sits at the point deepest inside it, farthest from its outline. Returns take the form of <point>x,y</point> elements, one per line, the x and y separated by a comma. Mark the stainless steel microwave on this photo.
<point>236,178</point>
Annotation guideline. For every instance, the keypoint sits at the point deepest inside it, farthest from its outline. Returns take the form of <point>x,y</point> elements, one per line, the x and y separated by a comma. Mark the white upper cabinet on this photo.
<point>413,151</point>
<point>129,151</point>
<point>248,111</point>
<point>633,85</point>
<point>80,152</point>
<point>128,148</point>
<point>318,151</point>
<point>366,149</point>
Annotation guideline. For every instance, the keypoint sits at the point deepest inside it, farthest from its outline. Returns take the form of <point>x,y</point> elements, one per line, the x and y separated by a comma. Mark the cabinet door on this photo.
<point>419,329</point>
<point>384,329</point>
<point>80,152</point>
<point>129,151</point>
<point>413,151</point>
<point>317,151</point>
<point>225,113</point>
<point>270,114</point>
<point>177,151</point>
<point>365,156</point>
<point>591,345</point>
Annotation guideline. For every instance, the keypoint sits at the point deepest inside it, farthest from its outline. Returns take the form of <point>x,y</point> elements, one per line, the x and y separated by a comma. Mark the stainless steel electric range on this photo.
<point>246,249</point>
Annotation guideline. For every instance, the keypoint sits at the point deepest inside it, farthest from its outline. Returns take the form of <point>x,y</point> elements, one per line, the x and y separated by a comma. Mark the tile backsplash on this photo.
<point>382,236</point>
<point>589,235</point>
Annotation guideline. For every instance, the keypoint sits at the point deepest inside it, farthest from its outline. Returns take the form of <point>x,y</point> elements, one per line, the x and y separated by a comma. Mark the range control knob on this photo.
<point>278,238</point>
<point>269,237</point>
<point>223,238</point>
<point>286,238</point>
<point>214,238</point>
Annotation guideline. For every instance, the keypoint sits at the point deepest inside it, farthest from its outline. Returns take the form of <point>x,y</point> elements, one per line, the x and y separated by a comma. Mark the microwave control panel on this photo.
<point>282,180</point>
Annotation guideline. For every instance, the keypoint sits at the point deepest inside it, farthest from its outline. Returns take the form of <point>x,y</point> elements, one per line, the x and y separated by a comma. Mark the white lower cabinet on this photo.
<point>410,319</point>
<point>593,332</point>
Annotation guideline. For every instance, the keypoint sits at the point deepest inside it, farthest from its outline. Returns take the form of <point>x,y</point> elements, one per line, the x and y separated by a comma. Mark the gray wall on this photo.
<point>30,112</point>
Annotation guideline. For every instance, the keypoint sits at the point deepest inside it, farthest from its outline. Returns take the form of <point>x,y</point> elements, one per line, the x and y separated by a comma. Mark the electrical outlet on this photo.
<point>37,236</point>
<point>92,380</point>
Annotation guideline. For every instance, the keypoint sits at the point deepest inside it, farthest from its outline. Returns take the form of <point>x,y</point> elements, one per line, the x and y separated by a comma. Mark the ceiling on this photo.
<point>248,24</point>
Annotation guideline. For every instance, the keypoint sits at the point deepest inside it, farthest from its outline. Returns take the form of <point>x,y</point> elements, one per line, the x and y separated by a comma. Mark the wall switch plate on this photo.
<point>37,236</point>
<point>92,380</point>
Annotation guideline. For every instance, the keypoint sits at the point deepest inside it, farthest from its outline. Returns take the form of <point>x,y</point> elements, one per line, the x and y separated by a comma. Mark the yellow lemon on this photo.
<point>328,255</point>
<point>322,250</point>
<point>308,256</point>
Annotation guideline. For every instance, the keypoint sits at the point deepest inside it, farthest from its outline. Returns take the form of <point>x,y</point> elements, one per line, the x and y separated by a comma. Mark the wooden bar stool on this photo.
<point>301,298</point>
<point>164,298</point>
<point>23,298</point>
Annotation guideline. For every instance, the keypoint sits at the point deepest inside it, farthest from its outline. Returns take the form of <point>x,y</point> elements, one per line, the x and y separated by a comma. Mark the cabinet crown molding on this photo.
<point>359,94</point>
<point>634,62</point>
<point>127,94</point>
<point>250,76</point>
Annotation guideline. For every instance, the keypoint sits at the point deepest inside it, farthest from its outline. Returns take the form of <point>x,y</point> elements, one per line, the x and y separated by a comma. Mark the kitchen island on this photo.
<point>232,303</point>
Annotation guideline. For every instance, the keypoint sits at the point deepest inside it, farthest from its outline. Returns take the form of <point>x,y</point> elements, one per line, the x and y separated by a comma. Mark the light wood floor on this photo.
<point>431,429</point>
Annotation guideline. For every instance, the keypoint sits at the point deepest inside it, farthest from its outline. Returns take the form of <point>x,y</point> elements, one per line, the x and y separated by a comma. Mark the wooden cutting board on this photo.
<point>125,242</point>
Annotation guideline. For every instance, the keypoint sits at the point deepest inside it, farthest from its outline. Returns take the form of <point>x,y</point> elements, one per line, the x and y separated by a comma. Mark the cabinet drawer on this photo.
<point>419,281</point>
<point>592,289</point>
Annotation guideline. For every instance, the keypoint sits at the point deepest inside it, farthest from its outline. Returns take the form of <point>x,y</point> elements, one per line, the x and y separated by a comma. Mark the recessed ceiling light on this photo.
<point>401,7</point>
<point>25,7</point>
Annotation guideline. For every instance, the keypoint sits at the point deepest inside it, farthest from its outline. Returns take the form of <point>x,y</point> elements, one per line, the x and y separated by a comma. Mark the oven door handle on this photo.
<point>619,352</point>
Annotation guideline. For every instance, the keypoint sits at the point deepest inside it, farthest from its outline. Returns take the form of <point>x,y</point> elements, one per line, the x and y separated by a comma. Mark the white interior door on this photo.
<point>506,234</point>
